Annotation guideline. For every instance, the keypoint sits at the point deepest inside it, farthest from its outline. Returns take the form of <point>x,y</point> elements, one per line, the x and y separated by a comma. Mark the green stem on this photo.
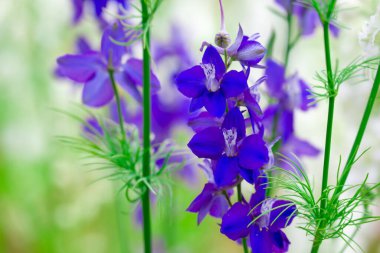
<point>319,234</point>
<point>240,198</point>
<point>359,136</point>
<point>289,38</point>
<point>146,127</point>
<point>118,103</point>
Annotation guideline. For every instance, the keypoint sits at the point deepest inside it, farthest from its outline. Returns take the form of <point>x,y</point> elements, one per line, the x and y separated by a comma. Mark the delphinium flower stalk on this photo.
<point>230,138</point>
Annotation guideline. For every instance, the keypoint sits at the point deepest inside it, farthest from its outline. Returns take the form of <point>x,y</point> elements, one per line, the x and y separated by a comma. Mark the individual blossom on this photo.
<point>209,85</point>
<point>262,220</point>
<point>236,154</point>
<point>93,69</point>
<point>213,199</point>
<point>308,19</point>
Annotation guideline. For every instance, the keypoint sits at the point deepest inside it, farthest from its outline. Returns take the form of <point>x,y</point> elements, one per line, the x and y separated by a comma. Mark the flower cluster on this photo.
<point>230,137</point>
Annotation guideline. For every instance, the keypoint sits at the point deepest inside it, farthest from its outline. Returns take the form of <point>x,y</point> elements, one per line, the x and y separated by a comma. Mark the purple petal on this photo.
<point>79,68</point>
<point>202,203</point>
<point>212,56</point>
<point>219,206</point>
<point>128,85</point>
<point>275,78</point>
<point>301,147</point>
<point>98,91</point>
<point>235,119</point>
<point>92,126</point>
<point>78,10</point>
<point>286,4</point>
<point>261,240</point>
<point>308,21</point>
<point>282,214</point>
<point>226,171</point>
<point>99,5</point>
<point>215,103</point>
<point>111,51</point>
<point>196,103</point>
<point>233,83</point>
<point>250,53</point>
<point>280,242</point>
<point>83,45</point>
<point>232,50</point>
<point>253,153</point>
<point>236,221</point>
<point>192,82</point>
<point>249,175</point>
<point>203,121</point>
<point>306,96</point>
<point>208,143</point>
<point>261,184</point>
<point>133,70</point>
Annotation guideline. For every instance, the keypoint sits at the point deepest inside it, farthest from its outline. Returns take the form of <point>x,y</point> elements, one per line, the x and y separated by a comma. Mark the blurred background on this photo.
<point>51,202</point>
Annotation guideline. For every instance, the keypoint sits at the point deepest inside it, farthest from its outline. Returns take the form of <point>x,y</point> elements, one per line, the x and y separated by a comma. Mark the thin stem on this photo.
<point>289,37</point>
<point>330,120</point>
<point>359,136</point>
<point>118,103</point>
<point>146,128</point>
<point>240,198</point>
<point>222,23</point>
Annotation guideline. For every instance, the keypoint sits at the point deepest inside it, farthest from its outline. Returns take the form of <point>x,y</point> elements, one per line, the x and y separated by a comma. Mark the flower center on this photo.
<point>266,209</point>
<point>230,136</point>
<point>211,84</point>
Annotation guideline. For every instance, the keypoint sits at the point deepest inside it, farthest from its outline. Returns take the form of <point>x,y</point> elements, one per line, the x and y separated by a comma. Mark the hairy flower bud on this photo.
<point>222,39</point>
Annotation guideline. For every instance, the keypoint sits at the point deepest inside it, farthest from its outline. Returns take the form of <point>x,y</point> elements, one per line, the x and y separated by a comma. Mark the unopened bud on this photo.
<point>222,39</point>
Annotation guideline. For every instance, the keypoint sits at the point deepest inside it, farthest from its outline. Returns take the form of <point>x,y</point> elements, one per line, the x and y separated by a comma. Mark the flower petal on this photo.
<point>226,171</point>
<point>212,56</point>
<point>128,85</point>
<point>253,153</point>
<point>250,52</point>
<point>203,121</point>
<point>192,82</point>
<point>215,103</point>
<point>111,51</point>
<point>261,240</point>
<point>208,143</point>
<point>196,103</point>
<point>236,221</point>
<point>232,50</point>
<point>219,206</point>
<point>98,91</point>
<point>233,83</point>
<point>275,78</point>
<point>133,69</point>
<point>202,203</point>
<point>235,119</point>
<point>282,214</point>
<point>79,68</point>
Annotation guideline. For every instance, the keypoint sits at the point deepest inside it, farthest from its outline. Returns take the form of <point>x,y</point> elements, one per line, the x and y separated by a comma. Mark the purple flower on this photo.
<point>209,85</point>
<point>93,127</point>
<point>308,19</point>
<point>235,153</point>
<point>262,219</point>
<point>245,49</point>
<point>98,5</point>
<point>212,199</point>
<point>92,69</point>
<point>290,92</point>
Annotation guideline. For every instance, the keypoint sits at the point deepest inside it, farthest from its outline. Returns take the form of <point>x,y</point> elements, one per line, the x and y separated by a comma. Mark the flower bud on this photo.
<point>222,39</point>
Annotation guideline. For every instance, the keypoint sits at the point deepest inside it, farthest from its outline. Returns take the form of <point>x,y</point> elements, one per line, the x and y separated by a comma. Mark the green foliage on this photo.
<point>348,209</point>
<point>123,160</point>
<point>353,71</point>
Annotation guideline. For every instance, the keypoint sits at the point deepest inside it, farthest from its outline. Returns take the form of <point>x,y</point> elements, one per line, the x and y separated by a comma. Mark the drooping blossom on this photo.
<point>209,85</point>
<point>236,154</point>
<point>261,220</point>
<point>212,200</point>
<point>93,69</point>
<point>291,94</point>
